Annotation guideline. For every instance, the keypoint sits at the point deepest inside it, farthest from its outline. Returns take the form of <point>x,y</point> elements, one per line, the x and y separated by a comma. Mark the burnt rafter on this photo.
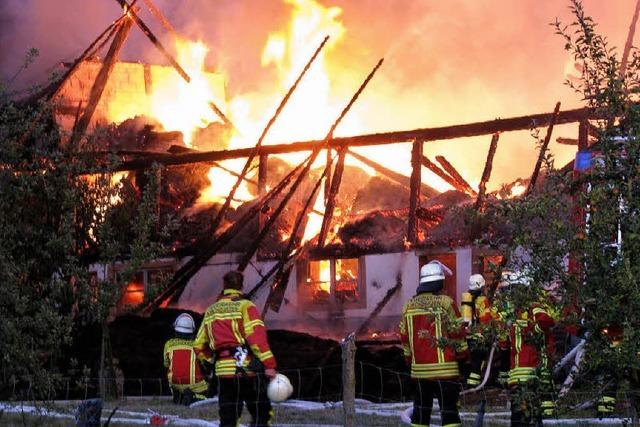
<point>543,150</point>
<point>426,134</point>
<point>101,79</point>
<point>453,172</point>
<point>331,196</point>
<point>312,157</point>
<point>486,173</point>
<point>392,175</point>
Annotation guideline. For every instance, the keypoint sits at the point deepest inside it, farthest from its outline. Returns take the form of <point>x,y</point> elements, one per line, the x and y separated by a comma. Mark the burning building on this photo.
<point>330,241</point>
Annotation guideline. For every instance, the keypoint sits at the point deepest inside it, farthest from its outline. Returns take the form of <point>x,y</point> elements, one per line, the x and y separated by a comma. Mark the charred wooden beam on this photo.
<point>414,191</point>
<point>220,114</point>
<point>392,175</point>
<point>629,42</point>
<point>102,78</point>
<point>262,185</point>
<point>543,151</point>
<point>439,172</point>
<point>387,297</point>
<point>160,17</point>
<point>566,141</point>
<point>212,245</point>
<point>314,155</point>
<point>153,39</point>
<point>455,175</point>
<point>486,173</point>
<point>327,182</point>
<point>583,135</point>
<point>425,134</point>
<point>255,151</point>
<point>331,197</point>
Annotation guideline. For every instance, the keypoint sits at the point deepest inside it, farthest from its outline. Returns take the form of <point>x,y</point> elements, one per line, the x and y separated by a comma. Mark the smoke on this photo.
<point>446,62</point>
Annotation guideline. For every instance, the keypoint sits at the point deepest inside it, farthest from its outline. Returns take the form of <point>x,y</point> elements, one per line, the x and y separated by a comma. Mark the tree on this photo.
<point>61,212</point>
<point>578,237</point>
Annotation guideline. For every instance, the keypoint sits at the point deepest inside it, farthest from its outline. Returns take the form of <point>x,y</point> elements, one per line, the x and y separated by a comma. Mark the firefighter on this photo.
<point>528,380</point>
<point>183,371</point>
<point>433,341</point>
<point>233,333</point>
<point>476,312</point>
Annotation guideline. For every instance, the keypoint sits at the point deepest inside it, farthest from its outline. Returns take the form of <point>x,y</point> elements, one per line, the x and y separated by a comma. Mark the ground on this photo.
<point>137,411</point>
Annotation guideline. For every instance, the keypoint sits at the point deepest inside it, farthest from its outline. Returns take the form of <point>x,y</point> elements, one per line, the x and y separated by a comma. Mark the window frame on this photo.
<point>307,303</point>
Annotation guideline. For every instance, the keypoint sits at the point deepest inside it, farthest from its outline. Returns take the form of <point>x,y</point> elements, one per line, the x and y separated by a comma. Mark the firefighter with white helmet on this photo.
<point>433,341</point>
<point>529,324</point>
<point>186,380</point>
<point>476,311</point>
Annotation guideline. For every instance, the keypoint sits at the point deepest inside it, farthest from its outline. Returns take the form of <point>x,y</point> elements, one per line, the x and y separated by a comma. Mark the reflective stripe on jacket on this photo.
<point>432,335</point>
<point>230,322</point>
<point>528,335</point>
<point>182,368</point>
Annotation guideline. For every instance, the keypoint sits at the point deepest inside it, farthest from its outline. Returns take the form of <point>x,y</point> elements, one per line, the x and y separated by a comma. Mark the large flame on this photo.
<point>180,105</point>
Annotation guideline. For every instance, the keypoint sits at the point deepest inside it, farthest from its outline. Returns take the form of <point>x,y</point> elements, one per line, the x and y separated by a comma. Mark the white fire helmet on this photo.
<point>431,272</point>
<point>476,282</point>
<point>514,278</point>
<point>279,389</point>
<point>184,324</point>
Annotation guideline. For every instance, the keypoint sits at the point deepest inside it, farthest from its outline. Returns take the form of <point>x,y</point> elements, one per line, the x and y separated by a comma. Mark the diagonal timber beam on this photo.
<point>392,175</point>
<point>101,79</point>
<point>447,166</point>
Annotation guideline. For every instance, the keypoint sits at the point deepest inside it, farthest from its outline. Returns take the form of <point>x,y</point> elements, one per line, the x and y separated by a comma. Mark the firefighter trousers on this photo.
<point>240,390</point>
<point>447,393</point>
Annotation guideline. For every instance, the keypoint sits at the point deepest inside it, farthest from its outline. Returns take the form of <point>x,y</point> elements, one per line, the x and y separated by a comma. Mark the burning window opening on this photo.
<point>145,281</point>
<point>333,281</point>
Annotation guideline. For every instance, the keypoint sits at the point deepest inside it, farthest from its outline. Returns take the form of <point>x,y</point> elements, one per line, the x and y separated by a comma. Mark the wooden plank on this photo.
<point>331,197</point>
<point>414,191</point>
<point>486,173</point>
<point>392,175</point>
<point>439,172</point>
<point>349,381</point>
<point>102,78</point>
<point>314,155</point>
<point>583,135</point>
<point>153,39</point>
<point>447,166</point>
<point>543,151</point>
<point>160,17</point>
<point>629,42</point>
<point>385,299</point>
<point>424,134</point>
<point>255,150</point>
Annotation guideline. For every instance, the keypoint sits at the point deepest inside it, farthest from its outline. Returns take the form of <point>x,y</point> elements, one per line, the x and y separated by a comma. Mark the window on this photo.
<point>147,279</point>
<point>332,281</point>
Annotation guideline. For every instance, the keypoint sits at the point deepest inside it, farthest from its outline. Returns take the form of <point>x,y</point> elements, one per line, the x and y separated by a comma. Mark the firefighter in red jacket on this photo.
<point>528,373</point>
<point>432,338</point>
<point>233,334</point>
<point>183,371</point>
<point>476,312</point>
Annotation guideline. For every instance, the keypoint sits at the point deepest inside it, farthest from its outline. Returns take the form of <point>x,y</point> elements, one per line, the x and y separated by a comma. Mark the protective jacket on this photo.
<point>432,336</point>
<point>183,371</point>
<point>233,333</point>
<point>528,335</point>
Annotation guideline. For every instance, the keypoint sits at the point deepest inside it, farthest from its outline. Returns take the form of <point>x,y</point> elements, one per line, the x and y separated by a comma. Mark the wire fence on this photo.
<point>324,384</point>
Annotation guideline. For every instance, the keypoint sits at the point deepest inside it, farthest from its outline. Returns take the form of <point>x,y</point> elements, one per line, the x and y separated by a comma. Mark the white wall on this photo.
<point>380,275</point>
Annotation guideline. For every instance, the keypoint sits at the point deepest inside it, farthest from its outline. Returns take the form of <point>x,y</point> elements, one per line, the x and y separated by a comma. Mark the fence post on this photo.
<point>349,380</point>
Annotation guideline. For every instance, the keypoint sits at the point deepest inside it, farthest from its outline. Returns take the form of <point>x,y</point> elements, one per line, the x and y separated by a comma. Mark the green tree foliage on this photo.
<point>61,211</point>
<point>578,235</point>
